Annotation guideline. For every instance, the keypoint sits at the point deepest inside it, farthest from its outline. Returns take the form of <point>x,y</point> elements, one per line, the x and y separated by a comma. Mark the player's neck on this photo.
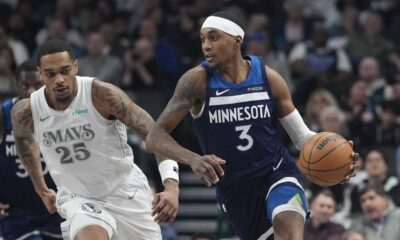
<point>59,105</point>
<point>236,70</point>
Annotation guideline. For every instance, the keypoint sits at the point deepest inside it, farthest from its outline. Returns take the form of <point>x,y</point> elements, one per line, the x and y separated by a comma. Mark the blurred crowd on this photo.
<point>340,58</point>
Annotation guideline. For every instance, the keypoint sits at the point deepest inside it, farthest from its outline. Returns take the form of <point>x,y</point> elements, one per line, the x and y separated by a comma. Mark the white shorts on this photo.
<point>125,214</point>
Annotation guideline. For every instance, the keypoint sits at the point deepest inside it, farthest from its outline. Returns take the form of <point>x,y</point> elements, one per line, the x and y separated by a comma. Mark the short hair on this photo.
<point>378,150</point>
<point>54,46</point>
<point>373,185</point>
<point>28,65</point>
<point>326,192</point>
<point>230,16</point>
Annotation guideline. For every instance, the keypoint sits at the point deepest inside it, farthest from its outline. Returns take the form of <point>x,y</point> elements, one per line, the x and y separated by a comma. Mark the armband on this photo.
<point>168,169</point>
<point>296,128</point>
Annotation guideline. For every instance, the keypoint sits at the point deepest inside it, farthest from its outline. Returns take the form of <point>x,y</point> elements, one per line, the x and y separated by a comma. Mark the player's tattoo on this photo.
<point>189,92</point>
<point>118,104</point>
<point>27,147</point>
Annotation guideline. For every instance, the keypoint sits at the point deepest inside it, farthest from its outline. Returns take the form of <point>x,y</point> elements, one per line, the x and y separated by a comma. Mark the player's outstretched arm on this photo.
<point>291,119</point>
<point>28,151</point>
<point>112,102</point>
<point>189,92</point>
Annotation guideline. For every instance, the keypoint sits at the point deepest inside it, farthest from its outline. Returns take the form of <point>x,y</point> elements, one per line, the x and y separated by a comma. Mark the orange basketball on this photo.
<point>325,158</point>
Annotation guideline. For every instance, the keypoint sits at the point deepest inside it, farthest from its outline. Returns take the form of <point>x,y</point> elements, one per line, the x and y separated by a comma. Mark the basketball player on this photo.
<point>234,102</point>
<point>22,213</point>
<point>78,124</point>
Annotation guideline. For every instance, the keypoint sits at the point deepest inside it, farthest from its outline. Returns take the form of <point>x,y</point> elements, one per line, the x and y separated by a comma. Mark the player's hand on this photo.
<point>208,168</point>
<point>49,199</point>
<point>354,166</point>
<point>3,210</point>
<point>165,204</point>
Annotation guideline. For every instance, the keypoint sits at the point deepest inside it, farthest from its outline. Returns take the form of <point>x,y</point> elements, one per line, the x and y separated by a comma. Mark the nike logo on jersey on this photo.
<point>218,93</point>
<point>278,165</point>
<point>44,118</point>
<point>132,195</point>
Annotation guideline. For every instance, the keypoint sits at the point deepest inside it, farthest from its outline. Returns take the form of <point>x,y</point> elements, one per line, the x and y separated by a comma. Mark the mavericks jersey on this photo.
<point>16,187</point>
<point>237,124</point>
<point>85,153</point>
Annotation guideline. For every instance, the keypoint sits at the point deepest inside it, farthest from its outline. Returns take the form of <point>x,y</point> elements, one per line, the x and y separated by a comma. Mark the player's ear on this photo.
<point>238,41</point>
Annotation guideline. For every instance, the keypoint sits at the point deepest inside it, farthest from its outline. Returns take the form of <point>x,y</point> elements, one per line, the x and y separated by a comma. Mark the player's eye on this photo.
<point>50,74</point>
<point>65,71</point>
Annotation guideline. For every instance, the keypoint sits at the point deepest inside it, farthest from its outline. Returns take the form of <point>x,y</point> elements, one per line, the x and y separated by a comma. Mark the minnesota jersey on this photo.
<point>237,124</point>
<point>16,187</point>
<point>85,153</point>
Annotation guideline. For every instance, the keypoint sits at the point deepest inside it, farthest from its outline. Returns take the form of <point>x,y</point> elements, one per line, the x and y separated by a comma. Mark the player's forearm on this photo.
<point>30,156</point>
<point>160,142</point>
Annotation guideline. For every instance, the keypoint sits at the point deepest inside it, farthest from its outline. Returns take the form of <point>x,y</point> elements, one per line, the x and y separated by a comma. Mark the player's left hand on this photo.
<point>165,204</point>
<point>354,166</point>
<point>49,199</point>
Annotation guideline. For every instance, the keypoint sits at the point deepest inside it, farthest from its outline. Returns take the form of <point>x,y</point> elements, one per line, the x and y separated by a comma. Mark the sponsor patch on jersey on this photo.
<point>80,112</point>
<point>90,207</point>
<point>256,88</point>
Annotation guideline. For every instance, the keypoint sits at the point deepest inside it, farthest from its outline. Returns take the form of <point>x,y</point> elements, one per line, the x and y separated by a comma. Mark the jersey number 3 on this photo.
<point>244,135</point>
<point>79,153</point>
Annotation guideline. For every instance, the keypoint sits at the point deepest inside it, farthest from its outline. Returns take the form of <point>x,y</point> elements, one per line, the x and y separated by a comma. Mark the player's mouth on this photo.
<point>61,91</point>
<point>209,57</point>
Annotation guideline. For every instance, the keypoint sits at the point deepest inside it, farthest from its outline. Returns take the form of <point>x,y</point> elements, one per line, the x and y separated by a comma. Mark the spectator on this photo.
<point>388,131</point>
<point>372,43</point>
<point>142,72</point>
<point>377,88</point>
<point>376,166</point>
<point>316,64</point>
<point>323,206</point>
<point>360,113</point>
<point>294,28</point>
<point>319,99</point>
<point>380,219</point>
<point>260,44</point>
<point>57,29</point>
<point>18,49</point>
<point>113,46</point>
<point>333,119</point>
<point>98,64</point>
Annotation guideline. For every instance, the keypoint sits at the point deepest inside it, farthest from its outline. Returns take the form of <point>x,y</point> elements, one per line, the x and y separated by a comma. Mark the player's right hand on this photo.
<point>49,199</point>
<point>208,168</point>
<point>3,210</point>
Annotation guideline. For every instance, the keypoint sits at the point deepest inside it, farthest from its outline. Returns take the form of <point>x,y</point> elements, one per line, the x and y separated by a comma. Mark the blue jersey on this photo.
<point>238,124</point>
<point>16,187</point>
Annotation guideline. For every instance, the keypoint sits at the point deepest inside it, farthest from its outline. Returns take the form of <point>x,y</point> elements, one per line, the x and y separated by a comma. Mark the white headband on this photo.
<point>224,25</point>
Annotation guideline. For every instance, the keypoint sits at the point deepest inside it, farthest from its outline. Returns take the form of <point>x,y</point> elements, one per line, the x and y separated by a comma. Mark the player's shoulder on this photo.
<point>196,73</point>
<point>101,88</point>
<point>194,78</point>
<point>22,105</point>
<point>21,112</point>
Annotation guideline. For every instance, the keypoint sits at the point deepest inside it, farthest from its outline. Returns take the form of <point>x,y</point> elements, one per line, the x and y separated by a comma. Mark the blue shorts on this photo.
<point>251,211</point>
<point>28,224</point>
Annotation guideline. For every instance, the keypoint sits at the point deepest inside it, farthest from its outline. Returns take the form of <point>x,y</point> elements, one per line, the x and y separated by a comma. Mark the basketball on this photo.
<point>325,158</point>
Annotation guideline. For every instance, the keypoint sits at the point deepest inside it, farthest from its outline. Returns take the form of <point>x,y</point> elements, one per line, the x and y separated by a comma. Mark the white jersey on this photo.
<point>85,153</point>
